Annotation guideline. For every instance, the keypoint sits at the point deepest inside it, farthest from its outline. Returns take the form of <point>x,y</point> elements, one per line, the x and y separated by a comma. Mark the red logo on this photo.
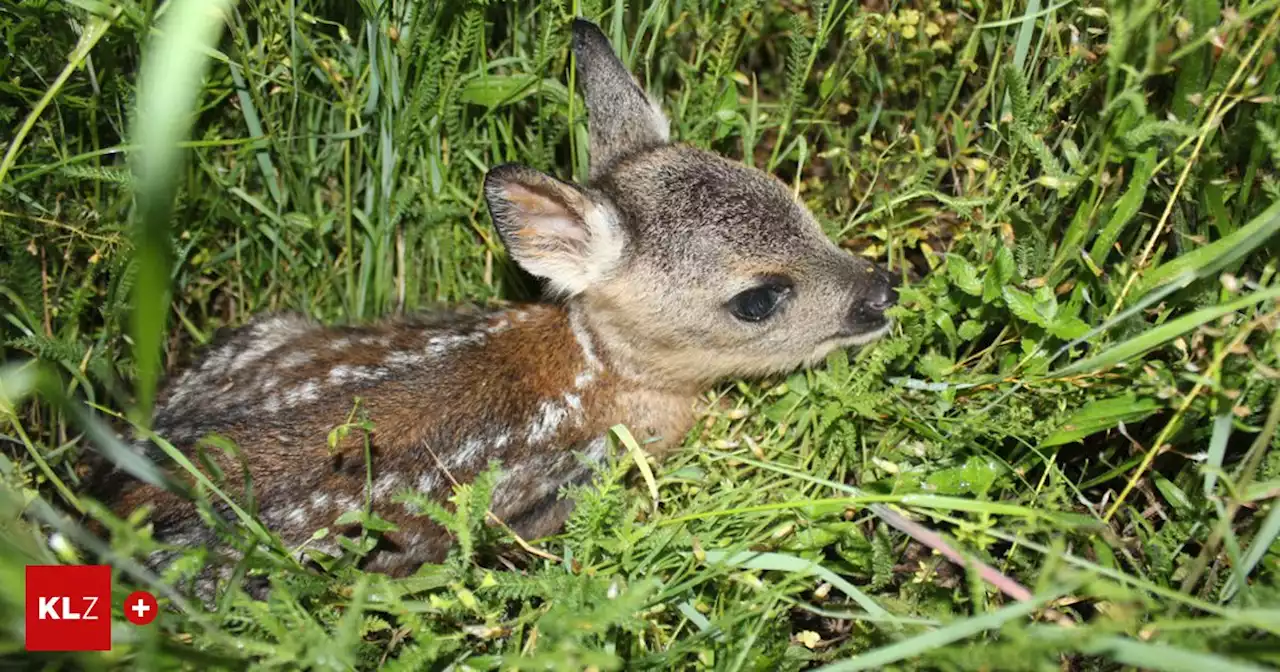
<point>68,608</point>
<point>140,607</point>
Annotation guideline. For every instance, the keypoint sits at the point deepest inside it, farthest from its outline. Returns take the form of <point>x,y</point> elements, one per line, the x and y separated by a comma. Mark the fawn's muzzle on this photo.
<point>867,311</point>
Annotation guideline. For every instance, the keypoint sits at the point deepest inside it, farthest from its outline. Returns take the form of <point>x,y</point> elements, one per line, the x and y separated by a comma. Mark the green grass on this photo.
<point>1081,395</point>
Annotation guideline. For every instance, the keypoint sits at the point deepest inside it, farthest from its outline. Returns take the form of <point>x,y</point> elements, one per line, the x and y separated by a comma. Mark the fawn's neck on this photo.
<point>527,386</point>
<point>548,392</point>
<point>574,371</point>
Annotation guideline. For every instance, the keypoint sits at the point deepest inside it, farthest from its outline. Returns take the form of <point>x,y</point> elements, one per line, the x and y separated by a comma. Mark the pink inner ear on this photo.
<point>543,216</point>
<point>559,225</point>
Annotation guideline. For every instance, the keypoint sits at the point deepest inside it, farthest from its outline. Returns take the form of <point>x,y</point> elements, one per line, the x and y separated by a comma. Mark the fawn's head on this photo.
<point>690,268</point>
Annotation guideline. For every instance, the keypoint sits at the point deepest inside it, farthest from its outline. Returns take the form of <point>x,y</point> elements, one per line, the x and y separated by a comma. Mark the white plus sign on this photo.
<point>141,608</point>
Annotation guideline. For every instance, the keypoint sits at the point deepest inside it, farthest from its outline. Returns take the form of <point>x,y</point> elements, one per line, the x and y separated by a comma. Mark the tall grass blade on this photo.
<point>1258,547</point>
<point>1218,254</point>
<point>170,81</point>
<point>1163,657</point>
<point>780,562</point>
<point>1217,450</point>
<point>962,629</point>
<point>1164,333</point>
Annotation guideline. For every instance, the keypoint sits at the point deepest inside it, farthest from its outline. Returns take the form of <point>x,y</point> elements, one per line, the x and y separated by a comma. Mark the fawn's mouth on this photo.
<point>845,339</point>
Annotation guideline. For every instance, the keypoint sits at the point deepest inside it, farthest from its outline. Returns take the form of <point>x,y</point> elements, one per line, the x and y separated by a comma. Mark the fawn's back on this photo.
<point>675,268</point>
<point>443,397</point>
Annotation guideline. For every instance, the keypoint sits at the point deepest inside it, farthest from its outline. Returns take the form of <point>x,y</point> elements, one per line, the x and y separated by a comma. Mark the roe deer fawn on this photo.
<point>675,268</point>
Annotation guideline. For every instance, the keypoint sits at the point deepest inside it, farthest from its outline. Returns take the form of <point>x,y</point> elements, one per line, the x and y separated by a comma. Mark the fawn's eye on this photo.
<point>758,303</point>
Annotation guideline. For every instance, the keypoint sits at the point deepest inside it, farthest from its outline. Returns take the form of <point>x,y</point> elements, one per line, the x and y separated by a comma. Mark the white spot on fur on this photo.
<point>345,502</point>
<point>272,404</point>
<point>297,517</point>
<point>295,359</point>
<point>469,452</point>
<point>428,481</point>
<point>218,360</point>
<point>380,562</point>
<point>503,439</point>
<point>401,358</point>
<point>325,546</point>
<point>385,484</point>
<point>550,416</point>
<point>344,374</point>
<point>498,325</point>
<point>524,483</point>
<point>267,336</point>
<point>275,327</point>
<point>339,344</point>
<point>438,346</point>
<point>182,388</point>
<point>510,484</point>
<point>583,337</point>
<point>574,402</point>
<point>302,394</point>
<point>595,449</point>
<point>319,500</point>
<point>253,353</point>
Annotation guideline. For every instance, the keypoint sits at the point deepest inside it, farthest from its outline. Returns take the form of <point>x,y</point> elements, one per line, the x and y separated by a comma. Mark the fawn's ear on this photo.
<point>553,229</point>
<point>620,117</point>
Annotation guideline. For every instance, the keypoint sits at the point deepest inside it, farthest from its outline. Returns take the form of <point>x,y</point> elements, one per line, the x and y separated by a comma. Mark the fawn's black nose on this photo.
<point>885,292</point>
<point>878,295</point>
